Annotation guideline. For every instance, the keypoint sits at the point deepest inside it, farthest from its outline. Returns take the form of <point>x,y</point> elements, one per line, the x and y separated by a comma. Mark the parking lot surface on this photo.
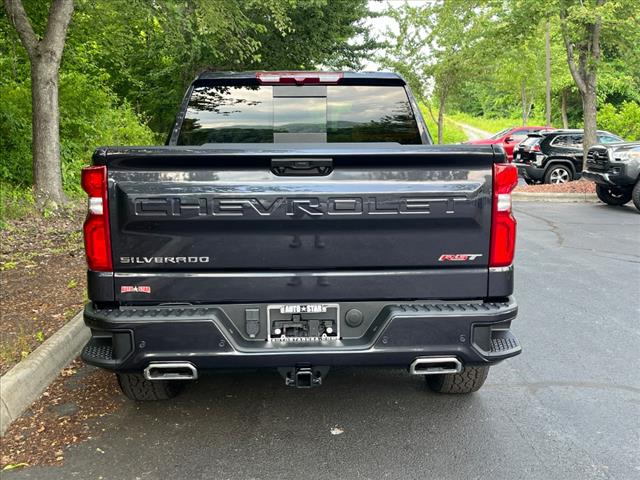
<point>567,408</point>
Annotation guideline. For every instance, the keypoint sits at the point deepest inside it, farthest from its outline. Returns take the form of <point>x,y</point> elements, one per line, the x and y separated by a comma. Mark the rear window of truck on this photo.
<point>290,114</point>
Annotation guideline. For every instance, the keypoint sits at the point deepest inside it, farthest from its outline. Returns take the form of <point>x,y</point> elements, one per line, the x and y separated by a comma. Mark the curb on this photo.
<point>554,197</point>
<point>24,383</point>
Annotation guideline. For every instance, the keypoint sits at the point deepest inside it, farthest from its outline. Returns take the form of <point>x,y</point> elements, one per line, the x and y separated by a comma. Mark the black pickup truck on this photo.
<point>299,221</point>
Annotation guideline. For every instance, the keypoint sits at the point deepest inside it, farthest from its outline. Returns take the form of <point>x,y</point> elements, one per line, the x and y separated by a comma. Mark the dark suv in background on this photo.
<point>554,156</point>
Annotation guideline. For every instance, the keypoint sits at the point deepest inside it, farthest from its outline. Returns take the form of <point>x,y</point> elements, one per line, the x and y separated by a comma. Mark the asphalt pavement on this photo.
<point>567,408</point>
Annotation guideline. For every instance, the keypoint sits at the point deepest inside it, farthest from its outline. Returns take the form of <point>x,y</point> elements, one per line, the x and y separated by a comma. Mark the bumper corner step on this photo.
<point>503,342</point>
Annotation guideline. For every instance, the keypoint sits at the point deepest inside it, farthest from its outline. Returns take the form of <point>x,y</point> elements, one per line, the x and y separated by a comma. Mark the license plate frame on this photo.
<point>310,311</point>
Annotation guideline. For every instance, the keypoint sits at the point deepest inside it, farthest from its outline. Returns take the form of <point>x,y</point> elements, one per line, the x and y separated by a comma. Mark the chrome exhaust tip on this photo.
<point>171,371</point>
<point>435,366</point>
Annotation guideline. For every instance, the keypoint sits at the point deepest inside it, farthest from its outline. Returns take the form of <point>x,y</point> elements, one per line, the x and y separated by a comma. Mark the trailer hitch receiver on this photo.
<point>303,376</point>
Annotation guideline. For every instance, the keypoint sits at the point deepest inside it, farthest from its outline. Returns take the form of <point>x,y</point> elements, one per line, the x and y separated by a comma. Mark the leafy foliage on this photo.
<point>149,52</point>
<point>90,117</point>
<point>488,55</point>
<point>127,63</point>
<point>624,120</point>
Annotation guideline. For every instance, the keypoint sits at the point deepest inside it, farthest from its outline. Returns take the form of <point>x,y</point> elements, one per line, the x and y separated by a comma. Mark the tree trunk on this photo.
<point>47,174</point>
<point>430,110</point>
<point>584,70</point>
<point>563,109</point>
<point>590,112</point>
<point>523,96</point>
<point>441,108</point>
<point>45,54</point>
<point>547,45</point>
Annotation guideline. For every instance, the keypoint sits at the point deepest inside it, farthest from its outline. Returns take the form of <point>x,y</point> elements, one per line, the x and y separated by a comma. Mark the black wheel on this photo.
<point>612,195</point>
<point>138,388</point>
<point>529,181</point>
<point>468,381</point>
<point>557,174</point>
<point>635,195</point>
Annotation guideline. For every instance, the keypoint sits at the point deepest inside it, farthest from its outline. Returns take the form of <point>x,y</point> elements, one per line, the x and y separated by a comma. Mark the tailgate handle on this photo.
<point>301,166</point>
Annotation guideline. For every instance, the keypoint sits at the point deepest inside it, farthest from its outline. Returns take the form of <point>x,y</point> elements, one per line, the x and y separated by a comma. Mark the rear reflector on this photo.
<point>299,78</point>
<point>503,223</point>
<point>97,241</point>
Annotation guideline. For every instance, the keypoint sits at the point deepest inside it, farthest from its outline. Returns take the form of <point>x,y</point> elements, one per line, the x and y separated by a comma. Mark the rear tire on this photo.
<point>635,195</point>
<point>558,174</point>
<point>468,381</point>
<point>613,196</point>
<point>139,389</point>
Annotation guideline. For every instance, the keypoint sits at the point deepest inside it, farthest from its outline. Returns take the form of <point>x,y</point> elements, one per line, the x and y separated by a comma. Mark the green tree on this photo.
<point>588,28</point>
<point>133,59</point>
<point>45,54</point>
<point>149,52</point>
<point>433,48</point>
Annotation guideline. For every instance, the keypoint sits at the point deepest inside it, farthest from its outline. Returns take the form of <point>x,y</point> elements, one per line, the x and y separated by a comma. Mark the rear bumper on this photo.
<point>210,336</point>
<point>530,171</point>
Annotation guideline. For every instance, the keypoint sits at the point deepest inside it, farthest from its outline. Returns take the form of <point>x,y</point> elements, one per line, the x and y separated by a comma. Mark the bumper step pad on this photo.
<point>96,351</point>
<point>503,343</point>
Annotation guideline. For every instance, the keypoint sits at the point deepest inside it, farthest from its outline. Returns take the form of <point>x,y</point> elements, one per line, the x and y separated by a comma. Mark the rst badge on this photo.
<point>459,257</point>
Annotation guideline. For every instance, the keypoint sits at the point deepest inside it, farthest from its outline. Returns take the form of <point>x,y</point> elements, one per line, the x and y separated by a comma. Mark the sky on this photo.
<point>380,25</point>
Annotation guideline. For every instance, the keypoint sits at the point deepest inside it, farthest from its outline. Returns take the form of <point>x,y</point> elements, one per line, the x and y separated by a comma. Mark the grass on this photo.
<point>15,203</point>
<point>19,348</point>
<point>452,133</point>
<point>493,125</point>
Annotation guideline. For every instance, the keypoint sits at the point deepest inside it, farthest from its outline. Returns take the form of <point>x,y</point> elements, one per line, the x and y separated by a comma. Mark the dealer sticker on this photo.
<point>303,309</point>
<point>135,289</point>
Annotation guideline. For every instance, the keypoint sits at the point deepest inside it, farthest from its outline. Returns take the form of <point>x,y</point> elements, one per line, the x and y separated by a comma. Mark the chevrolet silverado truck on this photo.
<point>299,221</point>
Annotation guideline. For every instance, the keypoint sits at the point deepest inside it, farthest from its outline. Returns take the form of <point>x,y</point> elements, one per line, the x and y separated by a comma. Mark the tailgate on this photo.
<point>214,218</point>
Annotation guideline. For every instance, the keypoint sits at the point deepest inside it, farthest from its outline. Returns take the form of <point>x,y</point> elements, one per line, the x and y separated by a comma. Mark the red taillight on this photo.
<point>299,78</point>
<point>97,242</point>
<point>535,148</point>
<point>503,223</point>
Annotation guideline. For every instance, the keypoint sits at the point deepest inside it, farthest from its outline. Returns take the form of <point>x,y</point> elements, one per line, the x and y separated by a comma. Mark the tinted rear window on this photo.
<point>277,114</point>
<point>531,140</point>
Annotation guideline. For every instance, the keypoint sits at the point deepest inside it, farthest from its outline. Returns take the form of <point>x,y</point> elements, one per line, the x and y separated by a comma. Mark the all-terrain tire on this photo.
<point>613,196</point>
<point>138,388</point>
<point>635,195</point>
<point>468,381</point>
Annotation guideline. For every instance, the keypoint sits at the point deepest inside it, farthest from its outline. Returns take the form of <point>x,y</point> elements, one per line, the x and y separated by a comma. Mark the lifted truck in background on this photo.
<point>298,221</point>
<point>615,169</point>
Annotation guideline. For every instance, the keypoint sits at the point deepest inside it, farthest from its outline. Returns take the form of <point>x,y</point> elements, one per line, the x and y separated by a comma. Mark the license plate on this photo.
<point>307,308</point>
